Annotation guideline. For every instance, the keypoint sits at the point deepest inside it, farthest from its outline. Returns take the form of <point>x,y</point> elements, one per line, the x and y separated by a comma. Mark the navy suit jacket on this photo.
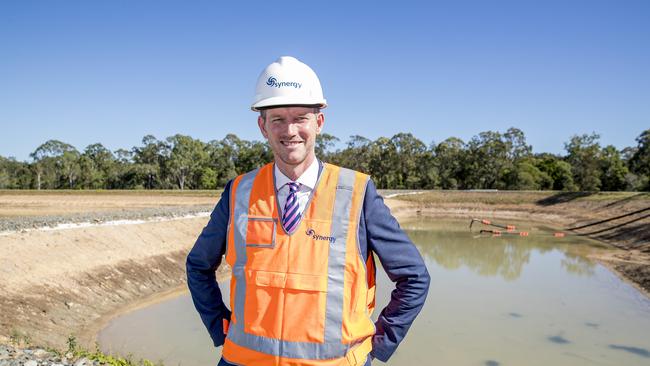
<point>379,233</point>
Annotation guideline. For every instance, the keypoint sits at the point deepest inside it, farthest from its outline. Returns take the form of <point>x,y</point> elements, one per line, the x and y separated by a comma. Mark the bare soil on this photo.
<point>54,283</point>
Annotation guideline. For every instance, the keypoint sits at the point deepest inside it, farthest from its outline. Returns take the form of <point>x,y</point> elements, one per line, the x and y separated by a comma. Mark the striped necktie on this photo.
<point>291,216</point>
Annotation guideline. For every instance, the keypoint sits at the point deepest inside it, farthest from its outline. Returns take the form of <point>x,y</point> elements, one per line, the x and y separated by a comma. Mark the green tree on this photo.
<point>487,161</point>
<point>408,164</point>
<point>55,161</point>
<point>14,174</point>
<point>613,170</point>
<point>558,170</point>
<point>221,159</point>
<point>525,175</point>
<point>97,167</point>
<point>382,159</point>
<point>69,165</point>
<point>208,178</point>
<point>187,155</point>
<point>324,143</point>
<point>356,154</point>
<point>584,157</point>
<point>639,162</point>
<point>148,159</point>
<point>516,146</point>
<point>449,158</point>
<point>252,155</point>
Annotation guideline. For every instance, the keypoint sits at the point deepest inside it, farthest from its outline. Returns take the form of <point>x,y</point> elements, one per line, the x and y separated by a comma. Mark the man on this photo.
<point>301,237</point>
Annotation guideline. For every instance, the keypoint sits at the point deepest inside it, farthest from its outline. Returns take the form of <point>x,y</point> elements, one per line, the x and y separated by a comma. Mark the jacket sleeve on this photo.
<point>405,267</point>
<point>202,262</point>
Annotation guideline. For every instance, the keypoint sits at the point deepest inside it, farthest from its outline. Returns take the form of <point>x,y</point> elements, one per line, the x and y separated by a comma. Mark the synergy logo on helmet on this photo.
<point>312,233</point>
<point>273,82</point>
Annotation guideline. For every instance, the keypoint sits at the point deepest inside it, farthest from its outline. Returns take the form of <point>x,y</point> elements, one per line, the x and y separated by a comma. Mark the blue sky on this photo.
<point>113,71</point>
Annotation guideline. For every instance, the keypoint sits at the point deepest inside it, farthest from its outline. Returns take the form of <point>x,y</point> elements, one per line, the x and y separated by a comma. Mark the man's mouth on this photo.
<point>291,143</point>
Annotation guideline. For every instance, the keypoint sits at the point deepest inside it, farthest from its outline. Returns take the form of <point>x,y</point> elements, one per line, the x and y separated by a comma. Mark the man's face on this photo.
<point>291,133</point>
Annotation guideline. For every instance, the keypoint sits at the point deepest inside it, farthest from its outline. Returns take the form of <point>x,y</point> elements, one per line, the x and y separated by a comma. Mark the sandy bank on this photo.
<point>57,283</point>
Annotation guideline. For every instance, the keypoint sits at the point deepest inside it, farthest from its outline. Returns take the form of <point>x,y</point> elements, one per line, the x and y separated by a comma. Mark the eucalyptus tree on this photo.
<point>613,170</point>
<point>186,157</point>
<point>487,161</point>
<point>516,145</point>
<point>221,160</point>
<point>382,163</point>
<point>355,155</point>
<point>97,167</point>
<point>584,157</point>
<point>324,143</point>
<point>54,160</point>
<point>525,175</point>
<point>558,170</point>
<point>14,174</point>
<point>409,161</point>
<point>148,160</point>
<point>449,159</point>
<point>639,162</point>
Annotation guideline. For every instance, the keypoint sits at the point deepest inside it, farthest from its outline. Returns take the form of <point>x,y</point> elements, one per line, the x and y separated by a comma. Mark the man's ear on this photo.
<point>320,121</point>
<point>262,126</point>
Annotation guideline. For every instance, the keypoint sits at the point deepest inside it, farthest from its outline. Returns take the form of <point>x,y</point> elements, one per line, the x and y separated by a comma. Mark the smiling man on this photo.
<point>301,237</point>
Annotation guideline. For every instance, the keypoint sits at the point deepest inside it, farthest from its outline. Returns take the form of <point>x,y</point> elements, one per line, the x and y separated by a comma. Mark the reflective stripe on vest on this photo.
<point>332,347</point>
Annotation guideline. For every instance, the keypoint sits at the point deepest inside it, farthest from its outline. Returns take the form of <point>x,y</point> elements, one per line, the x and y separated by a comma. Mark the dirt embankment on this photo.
<point>58,282</point>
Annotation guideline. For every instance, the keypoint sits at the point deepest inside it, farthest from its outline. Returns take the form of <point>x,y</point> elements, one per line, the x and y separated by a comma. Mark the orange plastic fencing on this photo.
<point>509,229</point>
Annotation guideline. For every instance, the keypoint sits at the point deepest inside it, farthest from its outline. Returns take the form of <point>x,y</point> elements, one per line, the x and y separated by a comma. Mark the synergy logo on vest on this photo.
<point>315,236</point>
<point>273,82</point>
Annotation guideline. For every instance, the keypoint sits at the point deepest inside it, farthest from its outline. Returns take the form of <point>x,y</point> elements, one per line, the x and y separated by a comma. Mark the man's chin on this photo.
<point>292,159</point>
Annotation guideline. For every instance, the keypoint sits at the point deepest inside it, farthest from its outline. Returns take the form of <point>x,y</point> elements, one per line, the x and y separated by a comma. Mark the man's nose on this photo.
<point>292,128</point>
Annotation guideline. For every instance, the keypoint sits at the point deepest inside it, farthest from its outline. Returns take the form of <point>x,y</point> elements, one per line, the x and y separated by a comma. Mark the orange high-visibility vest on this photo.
<point>302,298</point>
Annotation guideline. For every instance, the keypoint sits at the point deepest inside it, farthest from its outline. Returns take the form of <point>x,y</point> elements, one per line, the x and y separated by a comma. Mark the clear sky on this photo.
<point>113,71</point>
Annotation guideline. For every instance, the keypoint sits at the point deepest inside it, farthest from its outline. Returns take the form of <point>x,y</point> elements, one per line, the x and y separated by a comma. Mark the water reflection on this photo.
<point>577,265</point>
<point>453,246</point>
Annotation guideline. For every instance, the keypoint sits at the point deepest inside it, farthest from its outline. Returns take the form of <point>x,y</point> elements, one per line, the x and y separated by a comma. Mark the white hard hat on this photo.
<point>288,81</point>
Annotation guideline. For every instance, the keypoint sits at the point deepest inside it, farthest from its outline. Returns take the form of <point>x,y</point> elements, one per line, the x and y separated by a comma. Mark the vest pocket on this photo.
<point>288,306</point>
<point>260,232</point>
<point>291,281</point>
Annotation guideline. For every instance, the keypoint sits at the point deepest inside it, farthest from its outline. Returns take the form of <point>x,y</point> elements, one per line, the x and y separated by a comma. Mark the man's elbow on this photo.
<point>192,269</point>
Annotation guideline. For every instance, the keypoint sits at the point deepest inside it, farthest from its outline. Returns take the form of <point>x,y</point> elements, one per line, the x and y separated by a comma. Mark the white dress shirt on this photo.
<point>307,182</point>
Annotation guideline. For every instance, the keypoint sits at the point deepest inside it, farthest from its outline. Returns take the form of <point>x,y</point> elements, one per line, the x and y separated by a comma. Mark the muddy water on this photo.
<point>535,300</point>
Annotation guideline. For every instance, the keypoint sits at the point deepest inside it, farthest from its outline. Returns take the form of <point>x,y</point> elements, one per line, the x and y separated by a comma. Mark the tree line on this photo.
<point>489,160</point>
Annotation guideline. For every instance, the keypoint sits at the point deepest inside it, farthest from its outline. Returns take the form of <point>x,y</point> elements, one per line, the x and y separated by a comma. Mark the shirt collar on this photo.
<point>308,177</point>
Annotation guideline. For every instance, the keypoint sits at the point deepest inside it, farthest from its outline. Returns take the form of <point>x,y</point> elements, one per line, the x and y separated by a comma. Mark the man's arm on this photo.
<point>404,266</point>
<point>202,262</point>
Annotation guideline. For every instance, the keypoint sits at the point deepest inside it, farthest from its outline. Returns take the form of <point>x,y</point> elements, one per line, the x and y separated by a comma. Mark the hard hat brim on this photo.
<point>283,101</point>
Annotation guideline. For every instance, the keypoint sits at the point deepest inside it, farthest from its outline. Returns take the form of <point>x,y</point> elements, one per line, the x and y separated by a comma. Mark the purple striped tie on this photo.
<point>291,216</point>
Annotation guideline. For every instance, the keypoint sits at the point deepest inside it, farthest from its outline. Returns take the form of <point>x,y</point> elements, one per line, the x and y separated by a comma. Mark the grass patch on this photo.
<point>518,197</point>
<point>103,358</point>
<point>74,352</point>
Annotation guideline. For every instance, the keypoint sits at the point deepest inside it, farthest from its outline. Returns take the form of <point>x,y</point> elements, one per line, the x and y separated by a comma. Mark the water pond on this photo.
<point>509,300</point>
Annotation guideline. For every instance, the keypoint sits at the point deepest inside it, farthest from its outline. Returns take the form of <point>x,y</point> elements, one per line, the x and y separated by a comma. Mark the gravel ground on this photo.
<point>18,223</point>
<point>12,356</point>
<point>34,222</point>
